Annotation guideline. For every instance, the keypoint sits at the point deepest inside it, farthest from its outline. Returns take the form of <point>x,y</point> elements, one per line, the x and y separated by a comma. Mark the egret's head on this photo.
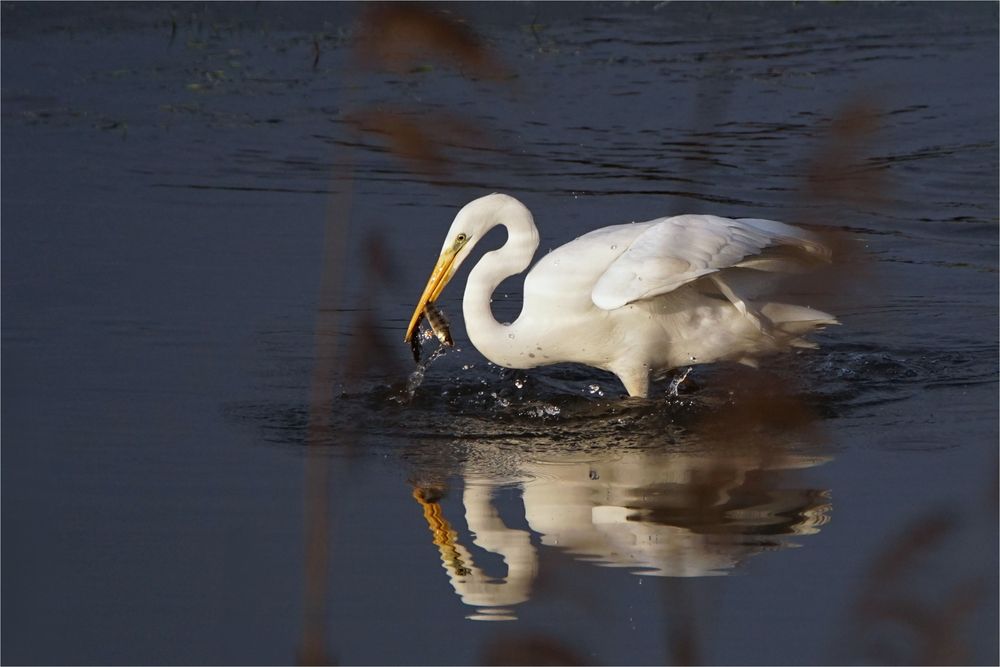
<point>470,225</point>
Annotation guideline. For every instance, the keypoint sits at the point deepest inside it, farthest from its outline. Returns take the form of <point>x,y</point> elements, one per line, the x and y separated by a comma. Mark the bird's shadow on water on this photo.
<point>556,407</point>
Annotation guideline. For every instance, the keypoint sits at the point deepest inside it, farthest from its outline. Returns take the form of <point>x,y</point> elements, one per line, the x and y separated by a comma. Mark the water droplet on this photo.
<point>511,336</point>
<point>594,388</point>
<point>519,383</point>
<point>614,247</point>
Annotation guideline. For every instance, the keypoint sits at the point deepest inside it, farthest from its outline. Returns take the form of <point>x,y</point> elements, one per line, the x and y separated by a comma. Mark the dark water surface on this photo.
<point>216,220</point>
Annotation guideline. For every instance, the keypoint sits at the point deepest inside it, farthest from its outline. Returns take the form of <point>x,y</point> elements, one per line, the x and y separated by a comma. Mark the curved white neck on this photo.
<point>491,338</point>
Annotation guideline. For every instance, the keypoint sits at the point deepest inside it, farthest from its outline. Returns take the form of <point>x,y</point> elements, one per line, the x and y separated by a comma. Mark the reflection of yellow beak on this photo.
<point>439,278</point>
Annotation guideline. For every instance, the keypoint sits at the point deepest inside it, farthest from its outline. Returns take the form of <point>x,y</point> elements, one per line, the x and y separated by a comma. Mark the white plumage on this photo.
<point>636,299</point>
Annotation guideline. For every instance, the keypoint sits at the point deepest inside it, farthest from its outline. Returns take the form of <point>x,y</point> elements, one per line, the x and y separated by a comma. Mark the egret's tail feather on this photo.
<point>796,321</point>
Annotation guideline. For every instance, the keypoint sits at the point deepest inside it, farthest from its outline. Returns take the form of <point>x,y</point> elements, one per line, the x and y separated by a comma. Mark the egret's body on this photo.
<point>636,299</point>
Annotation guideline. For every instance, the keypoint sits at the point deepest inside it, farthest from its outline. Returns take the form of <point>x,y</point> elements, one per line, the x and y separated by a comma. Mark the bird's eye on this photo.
<point>461,238</point>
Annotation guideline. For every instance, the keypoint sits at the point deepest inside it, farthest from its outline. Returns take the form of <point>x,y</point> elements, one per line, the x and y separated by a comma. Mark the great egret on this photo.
<point>636,299</point>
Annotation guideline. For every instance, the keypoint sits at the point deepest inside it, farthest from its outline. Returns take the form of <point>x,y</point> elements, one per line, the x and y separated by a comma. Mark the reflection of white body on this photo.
<point>619,513</point>
<point>635,299</point>
<point>655,513</point>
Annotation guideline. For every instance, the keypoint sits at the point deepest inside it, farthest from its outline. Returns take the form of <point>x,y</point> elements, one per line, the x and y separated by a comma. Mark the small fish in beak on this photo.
<point>438,324</point>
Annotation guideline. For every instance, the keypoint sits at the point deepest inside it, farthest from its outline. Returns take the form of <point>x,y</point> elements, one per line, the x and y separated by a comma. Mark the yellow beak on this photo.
<point>439,279</point>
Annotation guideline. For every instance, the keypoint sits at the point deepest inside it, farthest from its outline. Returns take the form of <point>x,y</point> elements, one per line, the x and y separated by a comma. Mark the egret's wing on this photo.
<point>678,250</point>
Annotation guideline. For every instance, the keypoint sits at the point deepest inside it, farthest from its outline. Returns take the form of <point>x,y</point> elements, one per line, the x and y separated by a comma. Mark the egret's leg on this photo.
<point>675,383</point>
<point>636,382</point>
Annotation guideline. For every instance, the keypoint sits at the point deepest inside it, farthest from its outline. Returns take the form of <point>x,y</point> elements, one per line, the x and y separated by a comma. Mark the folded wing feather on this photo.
<point>681,249</point>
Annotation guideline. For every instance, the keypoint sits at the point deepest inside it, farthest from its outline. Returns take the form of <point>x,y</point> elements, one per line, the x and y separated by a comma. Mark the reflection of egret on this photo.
<point>654,512</point>
<point>635,299</point>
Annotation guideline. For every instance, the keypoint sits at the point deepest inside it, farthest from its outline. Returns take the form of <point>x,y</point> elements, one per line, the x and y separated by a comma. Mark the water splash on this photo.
<point>417,376</point>
<point>676,382</point>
